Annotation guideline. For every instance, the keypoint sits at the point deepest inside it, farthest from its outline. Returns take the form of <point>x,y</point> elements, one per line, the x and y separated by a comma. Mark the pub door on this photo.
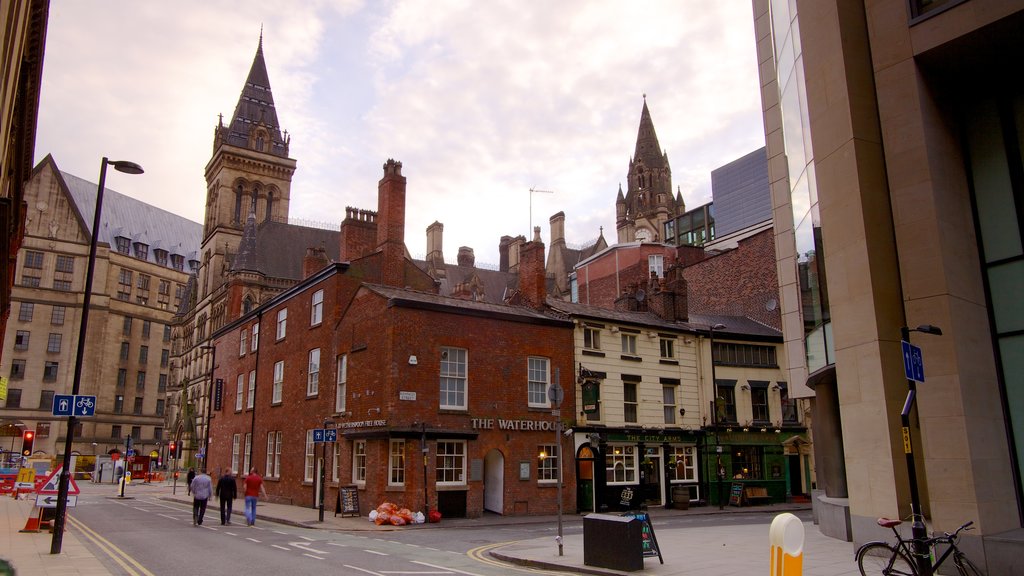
<point>585,479</point>
<point>651,477</point>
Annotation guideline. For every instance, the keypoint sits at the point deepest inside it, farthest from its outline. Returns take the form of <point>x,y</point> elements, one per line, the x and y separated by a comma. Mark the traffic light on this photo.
<point>27,439</point>
<point>173,449</point>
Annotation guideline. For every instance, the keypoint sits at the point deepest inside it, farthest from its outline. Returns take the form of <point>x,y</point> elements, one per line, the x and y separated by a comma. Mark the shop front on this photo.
<point>761,464</point>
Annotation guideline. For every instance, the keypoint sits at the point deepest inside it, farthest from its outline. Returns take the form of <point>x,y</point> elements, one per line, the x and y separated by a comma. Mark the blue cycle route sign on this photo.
<point>68,405</point>
<point>318,435</point>
<point>85,406</point>
<point>330,435</point>
<point>62,404</point>
<point>913,362</point>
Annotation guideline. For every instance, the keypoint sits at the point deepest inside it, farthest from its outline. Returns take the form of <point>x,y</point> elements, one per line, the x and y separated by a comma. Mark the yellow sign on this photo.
<point>27,475</point>
<point>3,388</point>
<point>906,441</point>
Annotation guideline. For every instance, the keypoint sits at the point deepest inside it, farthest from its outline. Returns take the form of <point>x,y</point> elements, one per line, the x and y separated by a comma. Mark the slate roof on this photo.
<point>125,216</point>
<point>256,105</point>
<point>280,248</point>
<point>482,308</point>
<point>739,326</point>
<point>496,284</point>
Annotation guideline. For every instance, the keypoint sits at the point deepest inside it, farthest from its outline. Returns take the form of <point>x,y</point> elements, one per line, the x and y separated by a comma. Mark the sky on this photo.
<point>480,100</point>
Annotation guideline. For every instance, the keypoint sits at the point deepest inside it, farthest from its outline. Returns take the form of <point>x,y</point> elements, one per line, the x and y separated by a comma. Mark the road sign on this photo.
<point>556,394</point>
<point>62,404</point>
<point>50,501</point>
<point>318,435</point>
<point>330,435</point>
<point>131,452</point>
<point>51,484</point>
<point>85,405</point>
<point>913,362</point>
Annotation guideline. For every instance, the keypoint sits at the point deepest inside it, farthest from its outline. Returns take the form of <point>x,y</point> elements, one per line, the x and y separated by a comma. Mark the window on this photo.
<point>682,463</point>
<point>146,328</point>
<point>547,467</point>
<point>282,323</point>
<point>629,344</point>
<point>629,401</point>
<point>725,401</point>
<point>255,337</point>
<point>656,265</point>
<point>236,441</point>
<point>342,384</point>
<point>668,399</point>
<point>33,260</point>
<point>123,244</point>
<point>243,342</point>
<point>158,433</point>
<point>165,356</point>
<point>143,282</point>
<point>21,338</point>
<point>668,348</point>
<point>122,378</point>
<point>126,326</point>
<point>336,463</point>
<point>25,312</point>
<point>178,263</point>
<point>46,400</point>
<point>537,382</point>
<point>143,354</point>
<point>759,401</point>
<point>789,413</point>
<point>140,380</point>
<point>310,460</point>
<point>167,333</point>
<point>115,431</point>
<point>161,257</point>
<point>313,377</point>
<point>160,407</point>
<point>746,462</point>
<point>274,438</point>
<point>30,281</point>
<point>591,338</point>
<point>17,370</point>
<point>396,463</point>
<point>118,404</point>
<point>14,397</point>
<point>141,251</point>
<point>316,314</point>
<point>453,378</point>
<point>137,409</point>
<point>745,355</point>
<point>278,382</point>
<point>620,464</point>
<point>57,316</point>
<point>359,462</point>
<point>53,343</point>
<point>451,463</point>
<point>50,371</point>
<point>124,352</point>
<point>161,383</point>
<point>124,277</point>
<point>248,451</point>
<point>239,392</point>
<point>251,399</point>
<point>65,264</point>
<point>62,285</point>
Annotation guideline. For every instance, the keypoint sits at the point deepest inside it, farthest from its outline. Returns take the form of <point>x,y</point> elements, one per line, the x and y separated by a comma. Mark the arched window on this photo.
<point>239,192</point>
<point>247,305</point>
<point>255,198</point>
<point>270,205</point>
<point>259,142</point>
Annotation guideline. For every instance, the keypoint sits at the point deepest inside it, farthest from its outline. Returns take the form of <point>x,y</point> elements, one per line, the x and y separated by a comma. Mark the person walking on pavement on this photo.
<point>188,479</point>
<point>253,489</point>
<point>202,488</point>
<point>227,491</point>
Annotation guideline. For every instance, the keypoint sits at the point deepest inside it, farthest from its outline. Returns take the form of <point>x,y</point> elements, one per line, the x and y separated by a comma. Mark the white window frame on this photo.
<point>547,463</point>
<point>316,310</point>
<point>591,338</point>
<point>255,337</point>
<point>278,382</point>
<point>336,464</point>
<point>236,442</point>
<point>359,462</point>
<point>250,400</point>
<point>309,468</point>
<point>626,458</point>
<point>282,323</point>
<point>451,465</point>
<point>538,379</point>
<point>667,348</point>
<point>242,342</point>
<point>670,402</point>
<point>313,375</point>
<point>268,470</point>
<point>341,390</point>
<point>684,457</point>
<point>454,378</point>
<point>656,263</point>
<point>628,344</point>
<point>239,392</point>
<point>248,450</point>
<point>396,462</point>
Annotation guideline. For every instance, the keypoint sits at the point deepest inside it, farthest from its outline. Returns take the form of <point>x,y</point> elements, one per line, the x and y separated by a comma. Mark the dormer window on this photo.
<point>123,244</point>
<point>178,262</point>
<point>161,256</point>
<point>141,251</point>
<point>193,265</point>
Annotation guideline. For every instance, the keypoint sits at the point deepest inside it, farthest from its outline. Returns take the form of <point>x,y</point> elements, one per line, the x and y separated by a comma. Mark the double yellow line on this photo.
<point>480,554</point>
<point>122,558</point>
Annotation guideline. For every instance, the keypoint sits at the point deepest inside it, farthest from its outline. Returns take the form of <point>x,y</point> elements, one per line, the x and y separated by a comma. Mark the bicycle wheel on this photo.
<point>880,558</point>
<point>965,566</point>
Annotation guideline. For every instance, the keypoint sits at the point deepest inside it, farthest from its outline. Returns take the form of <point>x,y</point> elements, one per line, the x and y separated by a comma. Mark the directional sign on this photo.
<point>85,406</point>
<point>51,484</point>
<point>62,404</point>
<point>50,501</point>
<point>318,435</point>
<point>330,435</point>
<point>913,362</point>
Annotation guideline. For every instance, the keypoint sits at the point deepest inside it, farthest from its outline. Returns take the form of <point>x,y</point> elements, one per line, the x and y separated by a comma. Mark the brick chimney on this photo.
<point>466,257</point>
<point>314,261</point>
<point>667,297</point>
<point>391,224</point>
<point>532,273</point>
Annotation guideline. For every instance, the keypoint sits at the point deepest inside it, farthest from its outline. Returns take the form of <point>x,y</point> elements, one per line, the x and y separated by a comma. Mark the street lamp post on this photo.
<point>719,469</point>
<point>918,529</point>
<point>209,401</point>
<point>62,490</point>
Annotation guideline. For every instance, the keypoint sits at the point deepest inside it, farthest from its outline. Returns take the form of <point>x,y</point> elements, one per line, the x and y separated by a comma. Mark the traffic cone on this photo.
<point>32,525</point>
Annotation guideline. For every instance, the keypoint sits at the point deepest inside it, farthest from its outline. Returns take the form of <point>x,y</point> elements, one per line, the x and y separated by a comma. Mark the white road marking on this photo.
<point>377,553</point>
<point>305,547</point>
<point>312,556</point>
<point>337,544</point>
<point>253,540</point>
<point>446,568</point>
<point>168,516</point>
<point>285,548</point>
<point>363,570</point>
<point>307,538</point>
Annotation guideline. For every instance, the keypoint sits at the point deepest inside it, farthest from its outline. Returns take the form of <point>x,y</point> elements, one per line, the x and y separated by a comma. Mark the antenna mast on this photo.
<point>532,192</point>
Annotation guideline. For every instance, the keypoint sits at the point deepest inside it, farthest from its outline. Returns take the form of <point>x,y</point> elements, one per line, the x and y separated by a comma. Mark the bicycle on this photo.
<point>899,559</point>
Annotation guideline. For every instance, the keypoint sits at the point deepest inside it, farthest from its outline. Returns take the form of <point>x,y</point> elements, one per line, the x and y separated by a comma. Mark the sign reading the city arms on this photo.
<point>512,425</point>
<point>649,438</point>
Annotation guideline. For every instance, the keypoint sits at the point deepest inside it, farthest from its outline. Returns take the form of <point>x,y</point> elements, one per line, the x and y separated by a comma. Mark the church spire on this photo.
<point>254,124</point>
<point>648,150</point>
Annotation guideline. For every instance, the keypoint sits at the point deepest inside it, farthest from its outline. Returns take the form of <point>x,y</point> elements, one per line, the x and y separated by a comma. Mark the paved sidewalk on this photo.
<point>704,550</point>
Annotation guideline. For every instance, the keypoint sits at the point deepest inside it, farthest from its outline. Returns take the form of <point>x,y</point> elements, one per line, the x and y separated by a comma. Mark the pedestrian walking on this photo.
<point>253,489</point>
<point>188,479</point>
<point>201,488</point>
<point>227,491</point>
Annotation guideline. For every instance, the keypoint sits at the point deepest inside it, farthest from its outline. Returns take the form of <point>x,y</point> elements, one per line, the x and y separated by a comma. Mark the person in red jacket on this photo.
<point>253,489</point>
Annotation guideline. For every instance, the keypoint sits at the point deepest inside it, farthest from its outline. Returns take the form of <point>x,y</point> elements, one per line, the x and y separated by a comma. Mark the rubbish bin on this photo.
<point>614,542</point>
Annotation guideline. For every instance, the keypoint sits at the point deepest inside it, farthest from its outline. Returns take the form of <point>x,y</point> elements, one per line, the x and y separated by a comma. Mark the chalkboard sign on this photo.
<point>736,495</point>
<point>348,501</point>
<point>648,540</point>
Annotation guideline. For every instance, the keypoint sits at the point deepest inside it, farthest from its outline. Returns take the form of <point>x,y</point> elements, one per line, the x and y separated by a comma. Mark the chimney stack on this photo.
<point>532,273</point>
<point>314,261</point>
<point>391,224</point>
<point>466,257</point>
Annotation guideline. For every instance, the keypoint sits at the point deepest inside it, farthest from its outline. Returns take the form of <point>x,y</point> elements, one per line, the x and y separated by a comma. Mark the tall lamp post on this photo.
<point>62,490</point>
<point>209,401</point>
<point>719,470</point>
<point>918,529</point>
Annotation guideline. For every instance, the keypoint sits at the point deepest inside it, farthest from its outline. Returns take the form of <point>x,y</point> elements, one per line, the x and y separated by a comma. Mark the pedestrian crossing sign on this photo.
<point>52,484</point>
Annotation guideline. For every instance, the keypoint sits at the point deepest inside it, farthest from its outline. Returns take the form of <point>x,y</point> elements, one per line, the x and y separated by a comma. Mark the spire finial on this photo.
<point>645,93</point>
<point>261,36</point>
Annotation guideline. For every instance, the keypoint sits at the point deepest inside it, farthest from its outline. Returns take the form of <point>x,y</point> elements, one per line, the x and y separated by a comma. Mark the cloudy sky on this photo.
<point>480,101</point>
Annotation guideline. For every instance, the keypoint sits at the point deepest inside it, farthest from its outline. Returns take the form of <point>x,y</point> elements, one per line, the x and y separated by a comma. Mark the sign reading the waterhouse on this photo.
<point>521,425</point>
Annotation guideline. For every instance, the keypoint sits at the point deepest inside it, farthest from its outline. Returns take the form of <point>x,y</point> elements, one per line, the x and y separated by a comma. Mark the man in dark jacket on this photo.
<point>227,491</point>
<point>189,477</point>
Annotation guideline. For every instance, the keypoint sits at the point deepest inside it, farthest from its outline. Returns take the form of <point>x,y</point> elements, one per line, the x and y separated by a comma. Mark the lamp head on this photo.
<point>126,166</point>
<point>928,329</point>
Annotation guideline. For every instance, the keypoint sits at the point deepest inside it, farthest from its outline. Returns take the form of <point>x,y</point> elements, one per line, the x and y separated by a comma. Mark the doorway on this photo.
<point>494,482</point>
<point>585,479</point>
<point>651,477</point>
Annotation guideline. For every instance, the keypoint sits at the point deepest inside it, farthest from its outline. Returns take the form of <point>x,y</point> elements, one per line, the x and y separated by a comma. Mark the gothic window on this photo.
<point>270,205</point>
<point>238,204</point>
<point>259,142</point>
<point>247,305</point>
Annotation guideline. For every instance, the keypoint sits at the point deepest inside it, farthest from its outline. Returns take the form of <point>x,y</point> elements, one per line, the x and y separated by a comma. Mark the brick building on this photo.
<point>370,348</point>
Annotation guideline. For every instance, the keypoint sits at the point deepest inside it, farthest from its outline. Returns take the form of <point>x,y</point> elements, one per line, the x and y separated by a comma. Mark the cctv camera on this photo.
<point>568,432</point>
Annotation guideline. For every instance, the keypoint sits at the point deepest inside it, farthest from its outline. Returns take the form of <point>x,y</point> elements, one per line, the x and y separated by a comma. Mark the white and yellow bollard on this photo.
<point>787,545</point>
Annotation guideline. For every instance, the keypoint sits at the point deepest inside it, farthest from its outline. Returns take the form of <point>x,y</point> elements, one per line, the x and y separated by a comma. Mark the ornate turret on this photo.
<point>649,201</point>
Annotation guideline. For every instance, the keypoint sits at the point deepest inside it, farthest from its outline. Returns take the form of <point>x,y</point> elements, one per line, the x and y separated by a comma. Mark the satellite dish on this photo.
<point>640,295</point>
<point>771,304</point>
